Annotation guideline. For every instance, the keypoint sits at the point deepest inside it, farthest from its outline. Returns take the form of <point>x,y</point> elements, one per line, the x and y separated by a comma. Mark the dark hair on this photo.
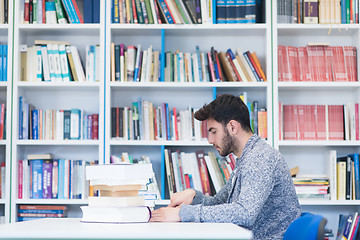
<point>224,108</point>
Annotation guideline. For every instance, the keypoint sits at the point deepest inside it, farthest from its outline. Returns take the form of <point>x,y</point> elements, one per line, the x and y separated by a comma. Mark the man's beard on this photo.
<point>227,144</point>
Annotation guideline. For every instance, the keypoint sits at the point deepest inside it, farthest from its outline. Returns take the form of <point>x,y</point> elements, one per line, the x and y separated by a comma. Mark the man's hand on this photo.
<point>183,197</point>
<point>165,214</point>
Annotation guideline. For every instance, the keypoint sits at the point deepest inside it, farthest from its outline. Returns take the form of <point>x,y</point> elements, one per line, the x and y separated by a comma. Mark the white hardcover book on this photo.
<point>116,201</point>
<point>203,68</point>
<point>26,177</point>
<point>55,48</point>
<point>352,121</point>
<point>143,66</point>
<point>51,62</point>
<point>75,123</point>
<point>122,63</point>
<point>66,178</point>
<point>197,126</point>
<point>346,122</point>
<point>131,54</point>
<point>59,124</point>
<point>177,177</point>
<point>45,62</point>
<point>195,67</point>
<point>65,71</point>
<point>39,68</point>
<point>97,63</point>
<point>156,62</point>
<point>212,173</point>
<point>29,63</point>
<point>149,64</point>
<point>195,172</point>
<point>181,67</point>
<point>146,120</point>
<point>77,62</point>
<point>241,67</point>
<point>204,12</point>
<point>331,173</point>
<point>126,122</point>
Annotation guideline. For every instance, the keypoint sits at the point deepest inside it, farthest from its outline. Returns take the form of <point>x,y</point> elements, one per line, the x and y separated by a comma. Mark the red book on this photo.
<point>304,74</point>
<point>204,175</point>
<point>350,63</point>
<point>336,122</point>
<point>204,130</point>
<point>77,10</point>
<point>310,123</point>
<point>232,161</point>
<point>284,65</point>
<point>328,64</point>
<point>2,120</point>
<point>42,207</point>
<point>133,6</point>
<point>339,69</point>
<point>20,179</point>
<point>300,122</point>
<point>27,11</point>
<point>95,126</point>
<point>187,181</point>
<point>281,122</point>
<point>320,122</point>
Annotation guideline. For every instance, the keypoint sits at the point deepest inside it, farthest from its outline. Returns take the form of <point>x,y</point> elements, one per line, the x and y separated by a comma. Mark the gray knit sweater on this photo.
<point>259,195</point>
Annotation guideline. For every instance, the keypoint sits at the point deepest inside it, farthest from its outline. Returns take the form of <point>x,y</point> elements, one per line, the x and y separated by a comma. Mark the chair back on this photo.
<point>307,227</point>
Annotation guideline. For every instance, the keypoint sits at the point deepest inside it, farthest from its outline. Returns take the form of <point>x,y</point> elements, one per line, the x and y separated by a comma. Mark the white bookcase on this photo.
<point>313,156</point>
<point>88,96</point>
<point>253,37</point>
<point>6,32</point>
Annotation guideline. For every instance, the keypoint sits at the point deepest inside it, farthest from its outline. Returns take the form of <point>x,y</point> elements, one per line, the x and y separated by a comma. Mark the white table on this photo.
<point>72,228</point>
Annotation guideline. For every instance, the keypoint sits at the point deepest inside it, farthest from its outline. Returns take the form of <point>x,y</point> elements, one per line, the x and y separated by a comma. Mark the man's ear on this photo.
<point>233,127</point>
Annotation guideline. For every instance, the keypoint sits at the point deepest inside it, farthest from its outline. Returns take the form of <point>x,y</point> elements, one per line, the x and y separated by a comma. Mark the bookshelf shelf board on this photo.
<point>318,143</point>
<point>188,26</point>
<point>317,85</point>
<point>190,84</point>
<point>2,201</point>
<point>59,142</point>
<point>333,27</point>
<point>309,202</point>
<point>3,85</point>
<point>4,26</point>
<point>52,201</point>
<point>54,27</point>
<point>2,142</point>
<point>60,85</point>
<point>158,143</point>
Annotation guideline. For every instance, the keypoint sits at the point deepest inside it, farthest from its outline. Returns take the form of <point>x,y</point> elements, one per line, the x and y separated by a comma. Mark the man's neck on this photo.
<point>242,142</point>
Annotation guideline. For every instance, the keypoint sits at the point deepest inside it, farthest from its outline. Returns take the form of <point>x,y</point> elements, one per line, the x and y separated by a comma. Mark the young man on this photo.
<point>259,195</point>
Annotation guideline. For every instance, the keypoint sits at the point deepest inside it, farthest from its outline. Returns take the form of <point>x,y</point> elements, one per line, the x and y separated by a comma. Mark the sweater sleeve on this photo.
<point>252,187</point>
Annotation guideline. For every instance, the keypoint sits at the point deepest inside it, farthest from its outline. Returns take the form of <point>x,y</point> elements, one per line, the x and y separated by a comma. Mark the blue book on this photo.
<point>355,158</point>
<point>5,60</point>
<point>231,11</point>
<point>213,56</point>
<point>39,70</point>
<point>1,63</point>
<point>70,9</point>
<point>199,62</point>
<point>240,11</point>
<point>221,11</point>
<point>168,135</point>
<point>250,11</point>
<point>35,124</point>
<point>96,11</point>
<point>23,219</point>
<point>88,11</point>
<point>37,178</point>
<point>166,12</point>
<point>347,227</point>
<point>21,117</point>
<point>61,178</point>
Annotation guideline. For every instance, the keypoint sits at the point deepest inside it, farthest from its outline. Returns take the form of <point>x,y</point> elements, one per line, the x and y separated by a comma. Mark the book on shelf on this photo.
<point>32,212</point>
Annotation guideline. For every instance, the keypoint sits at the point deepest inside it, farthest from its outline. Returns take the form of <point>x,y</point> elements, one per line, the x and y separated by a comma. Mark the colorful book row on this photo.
<point>58,63</point>
<point>144,121</point>
<point>320,63</point>
<point>135,64</point>
<point>47,124</point>
<point>52,179</point>
<point>61,11</point>
<point>318,11</point>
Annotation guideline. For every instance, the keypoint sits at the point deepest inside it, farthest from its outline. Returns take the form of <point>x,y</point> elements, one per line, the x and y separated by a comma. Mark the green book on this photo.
<point>149,13</point>
<point>139,11</point>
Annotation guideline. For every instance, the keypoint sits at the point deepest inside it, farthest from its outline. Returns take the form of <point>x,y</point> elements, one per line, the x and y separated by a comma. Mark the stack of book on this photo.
<point>118,199</point>
<point>312,187</point>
